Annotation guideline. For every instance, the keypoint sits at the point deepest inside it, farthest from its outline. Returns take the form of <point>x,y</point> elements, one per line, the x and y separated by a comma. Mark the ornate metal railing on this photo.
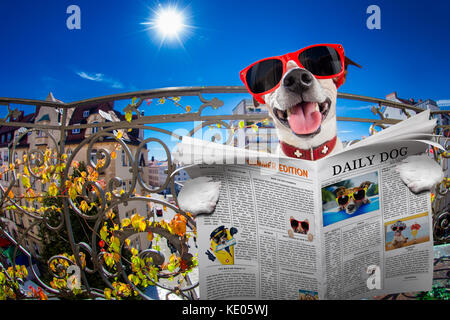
<point>70,200</point>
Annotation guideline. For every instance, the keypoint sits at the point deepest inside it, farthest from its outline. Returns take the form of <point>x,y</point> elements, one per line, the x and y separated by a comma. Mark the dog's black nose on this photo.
<point>298,80</point>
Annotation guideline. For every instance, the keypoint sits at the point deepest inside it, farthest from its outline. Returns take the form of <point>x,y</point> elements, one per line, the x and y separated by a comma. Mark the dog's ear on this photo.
<point>365,184</point>
<point>348,62</point>
<point>340,190</point>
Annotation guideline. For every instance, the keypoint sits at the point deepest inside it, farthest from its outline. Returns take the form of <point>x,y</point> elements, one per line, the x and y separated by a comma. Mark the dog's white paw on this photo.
<point>420,173</point>
<point>199,195</point>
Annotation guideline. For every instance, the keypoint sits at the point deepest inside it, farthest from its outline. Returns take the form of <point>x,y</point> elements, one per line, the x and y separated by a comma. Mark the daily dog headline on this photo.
<point>369,160</point>
<point>274,164</point>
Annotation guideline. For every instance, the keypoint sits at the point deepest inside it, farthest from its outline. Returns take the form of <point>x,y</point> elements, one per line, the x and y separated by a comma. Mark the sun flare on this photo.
<point>169,23</point>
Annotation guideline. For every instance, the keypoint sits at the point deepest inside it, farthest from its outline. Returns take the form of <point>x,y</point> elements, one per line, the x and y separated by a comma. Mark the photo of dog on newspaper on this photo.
<point>350,198</point>
<point>407,231</point>
<point>299,90</point>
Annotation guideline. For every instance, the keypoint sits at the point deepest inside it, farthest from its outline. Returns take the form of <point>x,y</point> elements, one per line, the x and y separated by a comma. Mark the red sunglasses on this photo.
<point>324,61</point>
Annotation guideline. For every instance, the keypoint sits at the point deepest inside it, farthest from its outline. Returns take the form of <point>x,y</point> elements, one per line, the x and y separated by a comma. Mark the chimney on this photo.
<point>391,96</point>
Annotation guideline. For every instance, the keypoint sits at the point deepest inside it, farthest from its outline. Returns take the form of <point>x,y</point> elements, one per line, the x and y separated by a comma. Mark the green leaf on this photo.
<point>26,182</point>
<point>128,116</point>
<point>104,233</point>
<point>53,190</point>
<point>115,244</point>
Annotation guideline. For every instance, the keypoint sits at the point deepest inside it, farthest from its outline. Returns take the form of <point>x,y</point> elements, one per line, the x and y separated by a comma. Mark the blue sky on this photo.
<point>114,53</point>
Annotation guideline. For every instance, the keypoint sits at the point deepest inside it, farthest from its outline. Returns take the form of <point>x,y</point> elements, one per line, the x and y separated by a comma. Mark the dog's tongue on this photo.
<point>304,119</point>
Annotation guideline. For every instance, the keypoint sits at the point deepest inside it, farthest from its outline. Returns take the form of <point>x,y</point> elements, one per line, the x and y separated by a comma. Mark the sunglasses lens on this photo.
<point>342,200</point>
<point>265,75</point>
<point>321,61</point>
<point>305,226</point>
<point>359,195</point>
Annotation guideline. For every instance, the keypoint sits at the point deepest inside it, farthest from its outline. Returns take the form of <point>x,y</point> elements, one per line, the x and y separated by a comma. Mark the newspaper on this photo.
<point>343,227</point>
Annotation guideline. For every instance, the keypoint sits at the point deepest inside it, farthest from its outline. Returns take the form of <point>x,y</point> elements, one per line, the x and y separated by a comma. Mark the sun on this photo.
<point>169,23</point>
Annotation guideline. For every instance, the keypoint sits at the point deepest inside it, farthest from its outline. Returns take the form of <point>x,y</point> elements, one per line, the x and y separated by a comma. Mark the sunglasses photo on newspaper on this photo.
<point>350,198</point>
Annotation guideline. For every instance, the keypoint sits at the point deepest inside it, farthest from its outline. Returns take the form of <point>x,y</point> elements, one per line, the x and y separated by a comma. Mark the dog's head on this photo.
<point>303,107</point>
<point>398,227</point>
<point>351,199</point>
<point>299,226</point>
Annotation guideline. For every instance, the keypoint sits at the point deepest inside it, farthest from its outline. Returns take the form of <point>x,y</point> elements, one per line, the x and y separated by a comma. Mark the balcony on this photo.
<point>87,210</point>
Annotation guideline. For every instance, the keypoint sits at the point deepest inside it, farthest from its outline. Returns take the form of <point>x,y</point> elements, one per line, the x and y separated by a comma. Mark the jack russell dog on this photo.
<point>299,90</point>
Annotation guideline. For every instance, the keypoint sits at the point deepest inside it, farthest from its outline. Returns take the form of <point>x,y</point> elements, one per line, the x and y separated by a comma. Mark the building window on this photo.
<point>94,129</point>
<point>86,114</point>
<point>124,159</point>
<point>94,156</point>
<point>76,131</point>
<point>36,248</point>
<point>9,136</point>
<point>130,213</point>
<point>3,138</point>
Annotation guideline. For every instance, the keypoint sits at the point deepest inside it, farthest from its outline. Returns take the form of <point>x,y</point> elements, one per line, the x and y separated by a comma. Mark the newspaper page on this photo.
<point>376,234</point>
<point>344,227</point>
<point>262,241</point>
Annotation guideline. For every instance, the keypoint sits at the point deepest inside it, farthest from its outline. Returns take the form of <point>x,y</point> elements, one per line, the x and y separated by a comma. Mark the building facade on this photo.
<point>40,140</point>
<point>265,139</point>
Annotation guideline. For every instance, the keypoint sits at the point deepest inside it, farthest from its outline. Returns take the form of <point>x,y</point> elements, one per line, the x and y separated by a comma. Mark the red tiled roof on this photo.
<point>411,103</point>
<point>78,118</point>
<point>4,130</point>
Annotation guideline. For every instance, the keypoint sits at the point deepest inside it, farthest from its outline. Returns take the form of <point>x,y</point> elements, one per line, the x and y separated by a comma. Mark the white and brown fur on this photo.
<point>353,205</point>
<point>399,239</point>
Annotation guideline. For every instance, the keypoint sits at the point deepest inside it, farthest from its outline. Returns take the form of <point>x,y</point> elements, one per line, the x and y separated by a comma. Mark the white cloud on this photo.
<point>100,77</point>
<point>355,108</point>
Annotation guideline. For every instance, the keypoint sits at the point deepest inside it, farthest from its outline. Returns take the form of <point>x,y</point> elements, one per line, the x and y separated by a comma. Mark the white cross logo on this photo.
<point>324,150</point>
<point>297,153</point>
